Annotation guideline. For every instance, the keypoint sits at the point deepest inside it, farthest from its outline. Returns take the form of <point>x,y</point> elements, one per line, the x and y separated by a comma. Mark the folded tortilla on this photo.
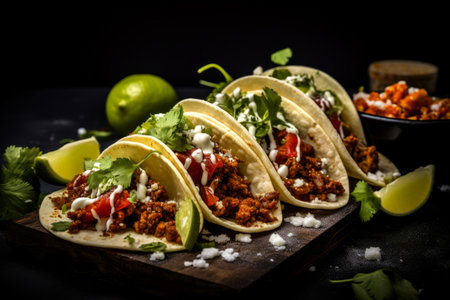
<point>309,131</point>
<point>349,116</point>
<point>251,167</point>
<point>158,168</point>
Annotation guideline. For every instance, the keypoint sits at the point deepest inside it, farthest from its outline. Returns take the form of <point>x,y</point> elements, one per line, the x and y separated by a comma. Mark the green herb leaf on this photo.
<point>114,173</point>
<point>130,239</point>
<point>281,74</point>
<point>370,204</point>
<point>19,185</point>
<point>381,284</point>
<point>281,57</point>
<point>153,247</point>
<point>169,129</point>
<point>64,209</point>
<point>203,245</point>
<point>218,87</point>
<point>61,226</point>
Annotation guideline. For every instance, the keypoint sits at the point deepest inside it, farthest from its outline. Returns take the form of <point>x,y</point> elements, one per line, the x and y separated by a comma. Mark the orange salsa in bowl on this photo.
<point>400,101</point>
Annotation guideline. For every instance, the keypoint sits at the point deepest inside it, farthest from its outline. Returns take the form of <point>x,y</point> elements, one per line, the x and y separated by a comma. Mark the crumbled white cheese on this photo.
<point>298,182</point>
<point>277,241</point>
<point>258,70</point>
<point>229,254</point>
<point>372,253</point>
<point>243,237</point>
<point>81,131</point>
<point>197,263</point>
<point>157,256</point>
<point>219,239</point>
<point>208,253</point>
<point>331,197</point>
<point>312,269</point>
<point>378,176</point>
<point>306,221</point>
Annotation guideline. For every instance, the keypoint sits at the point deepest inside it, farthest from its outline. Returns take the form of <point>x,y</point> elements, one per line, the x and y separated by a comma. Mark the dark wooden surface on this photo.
<point>304,248</point>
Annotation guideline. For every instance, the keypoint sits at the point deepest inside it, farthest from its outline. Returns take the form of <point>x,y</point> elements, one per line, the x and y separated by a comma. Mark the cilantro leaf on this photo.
<point>218,87</point>
<point>281,74</point>
<point>370,204</point>
<point>281,57</point>
<point>381,284</point>
<point>19,185</point>
<point>153,247</point>
<point>169,129</point>
<point>118,172</point>
<point>61,226</point>
<point>17,197</point>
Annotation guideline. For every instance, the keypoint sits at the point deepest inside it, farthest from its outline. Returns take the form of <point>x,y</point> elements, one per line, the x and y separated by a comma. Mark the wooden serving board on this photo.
<point>258,262</point>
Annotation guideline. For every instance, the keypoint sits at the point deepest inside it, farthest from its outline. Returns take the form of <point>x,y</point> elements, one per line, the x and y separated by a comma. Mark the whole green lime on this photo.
<point>135,97</point>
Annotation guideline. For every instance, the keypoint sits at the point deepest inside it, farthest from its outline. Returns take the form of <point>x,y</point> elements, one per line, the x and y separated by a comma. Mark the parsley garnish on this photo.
<point>381,284</point>
<point>169,129</point>
<point>129,239</point>
<point>370,204</point>
<point>114,173</point>
<point>19,185</point>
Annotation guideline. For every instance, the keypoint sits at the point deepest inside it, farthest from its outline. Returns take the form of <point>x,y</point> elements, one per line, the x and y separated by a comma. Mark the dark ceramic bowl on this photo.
<point>411,143</point>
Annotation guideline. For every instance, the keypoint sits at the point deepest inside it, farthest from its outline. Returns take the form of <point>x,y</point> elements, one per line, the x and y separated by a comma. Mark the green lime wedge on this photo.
<point>187,222</point>
<point>60,166</point>
<point>407,193</point>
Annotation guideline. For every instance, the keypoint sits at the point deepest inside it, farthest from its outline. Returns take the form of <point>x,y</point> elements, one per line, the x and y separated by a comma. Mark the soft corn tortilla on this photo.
<point>301,100</point>
<point>251,167</point>
<point>309,131</point>
<point>158,168</point>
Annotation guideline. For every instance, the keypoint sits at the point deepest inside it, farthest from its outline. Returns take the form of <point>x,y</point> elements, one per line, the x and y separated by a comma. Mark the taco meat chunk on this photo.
<point>306,179</point>
<point>365,157</point>
<point>154,214</point>
<point>228,194</point>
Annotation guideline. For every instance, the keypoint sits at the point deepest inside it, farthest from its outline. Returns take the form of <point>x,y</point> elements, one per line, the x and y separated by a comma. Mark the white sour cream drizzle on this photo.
<point>141,188</point>
<point>204,144</point>
<point>118,190</point>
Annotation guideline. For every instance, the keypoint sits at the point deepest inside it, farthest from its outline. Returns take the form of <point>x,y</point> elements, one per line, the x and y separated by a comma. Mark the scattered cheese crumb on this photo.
<point>312,269</point>
<point>208,253</point>
<point>243,237</point>
<point>157,256</point>
<point>373,253</point>
<point>197,263</point>
<point>306,221</point>
<point>229,254</point>
<point>290,234</point>
<point>81,131</point>
<point>219,239</point>
<point>277,241</point>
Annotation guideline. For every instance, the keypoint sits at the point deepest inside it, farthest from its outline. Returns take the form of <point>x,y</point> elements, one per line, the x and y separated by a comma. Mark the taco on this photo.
<point>130,198</point>
<point>322,97</point>
<point>227,178</point>
<point>300,158</point>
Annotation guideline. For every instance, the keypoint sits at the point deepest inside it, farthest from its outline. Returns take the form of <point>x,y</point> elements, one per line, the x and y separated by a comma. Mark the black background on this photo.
<point>78,45</point>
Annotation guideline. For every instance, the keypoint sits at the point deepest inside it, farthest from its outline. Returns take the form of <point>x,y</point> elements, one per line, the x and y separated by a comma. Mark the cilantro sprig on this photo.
<point>112,173</point>
<point>217,87</point>
<point>19,185</point>
<point>266,115</point>
<point>281,57</point>
<point>381,284</point>
<point>370,204</point>
<point>168,128</point>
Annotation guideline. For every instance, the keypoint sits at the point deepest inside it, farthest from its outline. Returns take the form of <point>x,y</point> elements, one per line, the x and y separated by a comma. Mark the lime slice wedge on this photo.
<point>187,222</point>
<point>60,166</point>
<point>407,193</point>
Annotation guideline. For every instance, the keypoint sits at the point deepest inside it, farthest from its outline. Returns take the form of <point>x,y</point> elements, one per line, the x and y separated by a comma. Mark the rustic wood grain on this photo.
<point>258,261</point>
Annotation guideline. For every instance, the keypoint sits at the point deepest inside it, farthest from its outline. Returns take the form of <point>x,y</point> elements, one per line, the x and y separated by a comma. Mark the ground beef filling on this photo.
<point>155,217</point>
<point>235,200</point>
<point>365,157</point>
<point>306,179</point>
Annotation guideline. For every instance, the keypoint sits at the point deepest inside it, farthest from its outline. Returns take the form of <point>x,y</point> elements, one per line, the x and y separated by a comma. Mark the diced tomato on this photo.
<point>195,168</point>
<point>288,149</point>
<point>208,195</point>
<point>103,207</point>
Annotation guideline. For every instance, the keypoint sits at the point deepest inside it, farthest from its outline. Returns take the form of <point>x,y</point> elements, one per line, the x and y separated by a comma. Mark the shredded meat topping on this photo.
<point>365,157</point>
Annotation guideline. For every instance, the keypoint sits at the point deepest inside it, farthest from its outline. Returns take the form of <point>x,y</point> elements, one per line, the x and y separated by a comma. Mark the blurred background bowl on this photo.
<point>411,143</point>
